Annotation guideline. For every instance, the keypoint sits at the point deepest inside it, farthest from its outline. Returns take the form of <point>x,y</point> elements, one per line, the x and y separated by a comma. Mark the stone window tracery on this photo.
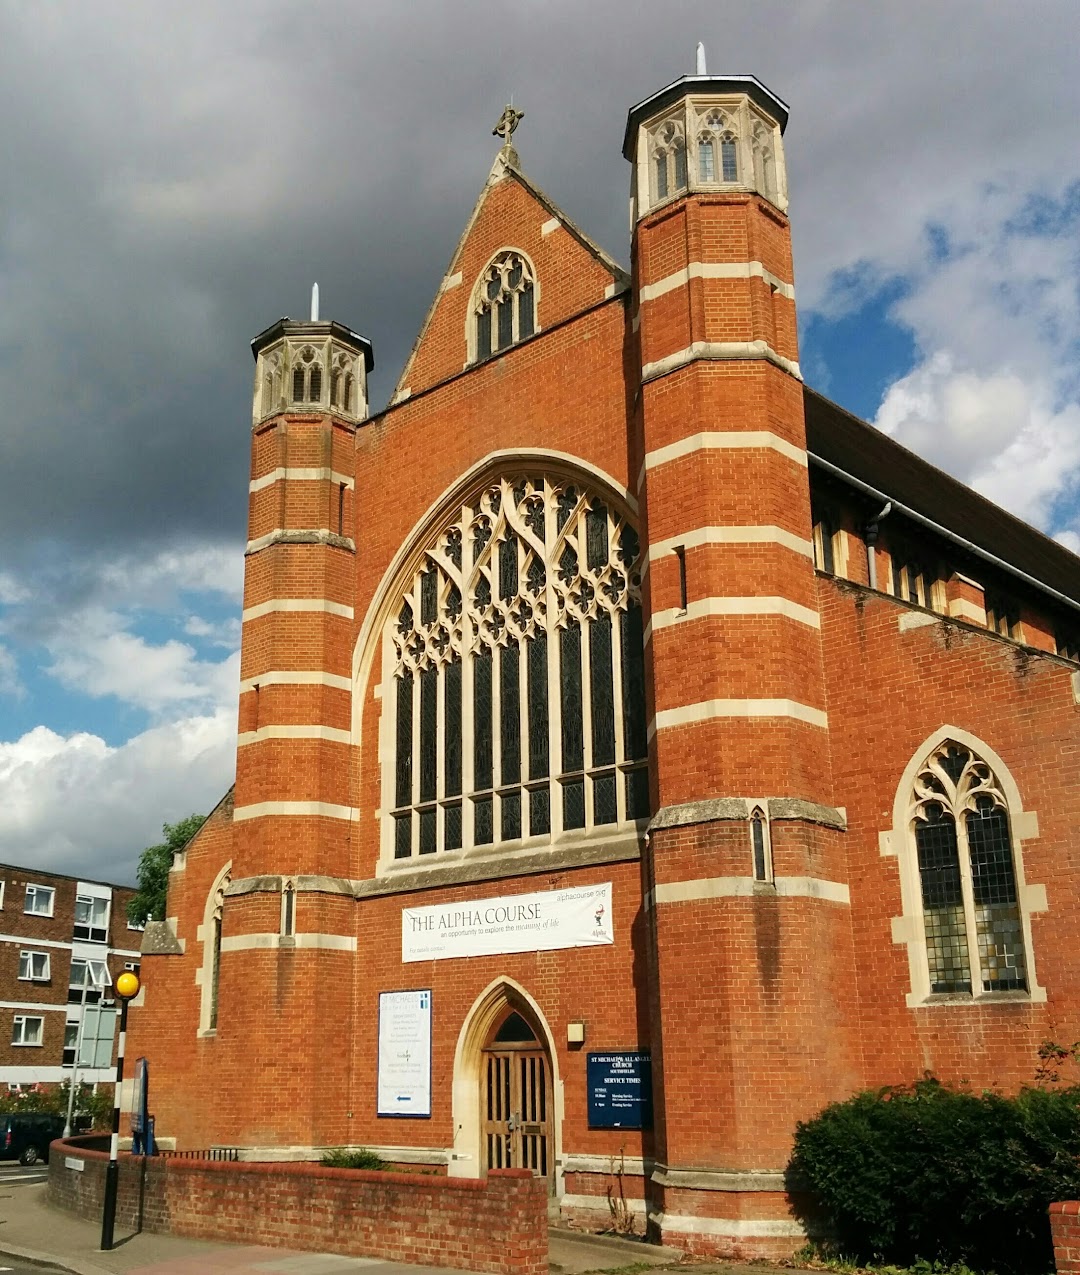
<point>271,383</point>
<point>516,654</point>
<point>668,159</point>
<point>307,376</point>
<point>717,153</point>
<point>761,146</point>
<point>504,304</point>
<point>972,921</point>
<point>341,382</point>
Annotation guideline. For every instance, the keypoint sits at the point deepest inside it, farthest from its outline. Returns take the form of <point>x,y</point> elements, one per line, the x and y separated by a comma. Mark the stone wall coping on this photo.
<point>159,939</point>
<point>720,1179</point>
<point>293,1168</point>
<point>738,808</point>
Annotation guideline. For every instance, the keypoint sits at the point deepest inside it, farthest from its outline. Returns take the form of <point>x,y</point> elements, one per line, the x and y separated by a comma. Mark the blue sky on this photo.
<point>178,180</point>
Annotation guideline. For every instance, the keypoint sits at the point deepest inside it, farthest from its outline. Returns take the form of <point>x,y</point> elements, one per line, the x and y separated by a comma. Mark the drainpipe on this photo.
<point>871,535</point>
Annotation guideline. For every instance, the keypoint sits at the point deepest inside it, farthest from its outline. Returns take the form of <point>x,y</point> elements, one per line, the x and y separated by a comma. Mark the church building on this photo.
<point>637,752</point>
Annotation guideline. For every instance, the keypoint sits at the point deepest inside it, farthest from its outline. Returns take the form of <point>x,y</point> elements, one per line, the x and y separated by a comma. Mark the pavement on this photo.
<point>33,1232</point>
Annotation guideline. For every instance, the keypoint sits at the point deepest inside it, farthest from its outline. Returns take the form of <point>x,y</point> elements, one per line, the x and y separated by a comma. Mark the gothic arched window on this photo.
<point>518,700</point>
<point>717,155</point>
<point>307,377</point>
<point>760,845</point>
<point>209,974</point>
<point>504,304</point>
<point>972,922</point>
<point>761,142</point>
<point>669,160</point>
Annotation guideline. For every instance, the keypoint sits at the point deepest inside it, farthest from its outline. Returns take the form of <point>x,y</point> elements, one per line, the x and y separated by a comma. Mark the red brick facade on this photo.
<point>496,1225</point>
<point>806,648</point>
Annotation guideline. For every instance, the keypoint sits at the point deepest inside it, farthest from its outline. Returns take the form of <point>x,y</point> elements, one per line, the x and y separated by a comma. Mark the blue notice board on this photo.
<point>620,1090</point>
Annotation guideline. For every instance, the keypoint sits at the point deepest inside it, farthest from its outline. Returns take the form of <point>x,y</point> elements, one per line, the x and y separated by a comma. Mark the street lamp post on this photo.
<point>127,988</point>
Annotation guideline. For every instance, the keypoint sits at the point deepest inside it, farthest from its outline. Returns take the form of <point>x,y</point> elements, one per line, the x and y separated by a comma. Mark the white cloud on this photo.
<point>98,655</point>
<point>11,590</point>
<point>994,305</point>
<point>10,682</point>
<point>217,633</point>
<point>155,580</point>
<point>76,805</point>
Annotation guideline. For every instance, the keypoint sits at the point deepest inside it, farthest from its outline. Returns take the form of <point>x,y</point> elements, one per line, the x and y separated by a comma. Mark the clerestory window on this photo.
<point>972,922</point>
<point>518,699</point>
<point>504,305</point>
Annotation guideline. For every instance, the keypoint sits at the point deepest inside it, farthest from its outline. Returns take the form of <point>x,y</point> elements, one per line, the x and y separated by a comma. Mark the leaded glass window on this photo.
<point>517,657</point>
<point>971,915</point>
<point>717,156</point>
<point>504,304</point>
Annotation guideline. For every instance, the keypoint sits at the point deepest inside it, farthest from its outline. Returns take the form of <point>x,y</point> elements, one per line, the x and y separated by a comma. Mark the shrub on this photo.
<point>361,1158</point>
<point>943,1174</point>
<point>93,1104</point>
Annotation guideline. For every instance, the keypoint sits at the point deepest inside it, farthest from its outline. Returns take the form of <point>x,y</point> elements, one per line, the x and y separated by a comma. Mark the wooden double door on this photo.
<point>516,1102</point>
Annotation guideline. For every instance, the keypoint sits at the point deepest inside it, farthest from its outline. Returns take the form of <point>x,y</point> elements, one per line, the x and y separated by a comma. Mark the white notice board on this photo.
<point>404,1053</point>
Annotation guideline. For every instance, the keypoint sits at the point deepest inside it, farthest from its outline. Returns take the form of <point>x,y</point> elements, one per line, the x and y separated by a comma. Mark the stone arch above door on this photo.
<point>501,997</point>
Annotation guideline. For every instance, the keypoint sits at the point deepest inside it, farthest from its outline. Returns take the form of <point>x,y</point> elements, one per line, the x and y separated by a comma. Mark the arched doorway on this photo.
<point>516,1100</point>
<point>477,1043</point>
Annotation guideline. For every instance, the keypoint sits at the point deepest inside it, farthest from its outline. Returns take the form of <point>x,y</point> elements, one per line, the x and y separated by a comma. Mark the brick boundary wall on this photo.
<point>495,1224</point>
<point>1065,1230</point>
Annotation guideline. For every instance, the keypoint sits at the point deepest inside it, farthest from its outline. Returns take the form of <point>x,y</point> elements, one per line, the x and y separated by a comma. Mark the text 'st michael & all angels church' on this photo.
<point>637,752</point>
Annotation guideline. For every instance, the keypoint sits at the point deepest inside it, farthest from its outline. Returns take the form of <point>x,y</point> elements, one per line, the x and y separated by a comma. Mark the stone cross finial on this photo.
<point>508,122</point>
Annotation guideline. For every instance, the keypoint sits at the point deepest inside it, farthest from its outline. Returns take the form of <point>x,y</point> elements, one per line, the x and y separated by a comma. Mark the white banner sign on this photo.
<point>514,923</point>
<point>404,1054</point>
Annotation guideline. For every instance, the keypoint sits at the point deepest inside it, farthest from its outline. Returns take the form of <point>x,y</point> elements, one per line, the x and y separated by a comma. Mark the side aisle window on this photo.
<point>971,915</point>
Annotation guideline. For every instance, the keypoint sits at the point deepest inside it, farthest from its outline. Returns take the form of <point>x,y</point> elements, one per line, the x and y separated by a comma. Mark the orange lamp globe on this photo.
<point>127,985</point>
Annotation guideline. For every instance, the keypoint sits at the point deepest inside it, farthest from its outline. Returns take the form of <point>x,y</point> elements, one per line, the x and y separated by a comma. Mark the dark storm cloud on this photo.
<point>176,179</point>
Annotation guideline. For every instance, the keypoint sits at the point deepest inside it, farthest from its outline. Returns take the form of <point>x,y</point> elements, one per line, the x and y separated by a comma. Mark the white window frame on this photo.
<point>28,958</point>
<point>96,974</point>
<point>19,1031</point>
<point>72,1025</point>
<point>3,887</point>
<point>899,841</point>
<point>93,933</point>
<point>33,890</point>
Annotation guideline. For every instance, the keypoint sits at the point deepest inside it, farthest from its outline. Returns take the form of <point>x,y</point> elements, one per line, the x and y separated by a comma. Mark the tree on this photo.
<point>154,865</point>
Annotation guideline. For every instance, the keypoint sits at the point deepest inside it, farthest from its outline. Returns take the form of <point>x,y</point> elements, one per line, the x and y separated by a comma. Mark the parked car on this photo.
<point>26,1135</point>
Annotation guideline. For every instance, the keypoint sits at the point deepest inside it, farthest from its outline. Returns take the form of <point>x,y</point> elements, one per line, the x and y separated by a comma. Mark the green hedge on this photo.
<point>943,1174</point>
<point>361,1158</point>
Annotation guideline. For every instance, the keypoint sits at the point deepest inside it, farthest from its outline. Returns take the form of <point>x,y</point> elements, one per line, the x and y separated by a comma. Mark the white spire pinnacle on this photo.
<point>701,59</point>
<point>314,303</point>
